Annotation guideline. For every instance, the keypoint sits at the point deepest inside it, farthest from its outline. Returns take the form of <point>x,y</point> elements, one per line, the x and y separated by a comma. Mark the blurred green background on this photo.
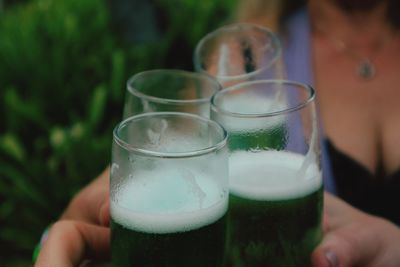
<point>63,69</point>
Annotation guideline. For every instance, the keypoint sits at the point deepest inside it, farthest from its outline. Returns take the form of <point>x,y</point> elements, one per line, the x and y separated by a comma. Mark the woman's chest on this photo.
<point>361,117</point>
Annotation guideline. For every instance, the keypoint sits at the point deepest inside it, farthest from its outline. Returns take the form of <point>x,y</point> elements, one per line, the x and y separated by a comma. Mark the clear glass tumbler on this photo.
<point>169,191</point>
<point>238,53</point>
<point>169,90</point>
<point>276,189</point>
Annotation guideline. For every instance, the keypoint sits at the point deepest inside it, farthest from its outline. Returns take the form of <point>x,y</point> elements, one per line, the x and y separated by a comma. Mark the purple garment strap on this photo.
<point>297,58</point>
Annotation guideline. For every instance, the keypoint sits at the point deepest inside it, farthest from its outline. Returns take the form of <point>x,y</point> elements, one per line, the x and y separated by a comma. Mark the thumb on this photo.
<point>352,238</point>
<point>327,254</point>
<point>345,247</point>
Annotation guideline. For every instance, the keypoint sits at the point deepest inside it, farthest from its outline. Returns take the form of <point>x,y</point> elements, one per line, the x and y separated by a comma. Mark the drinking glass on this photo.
<point>169,90</point>
<point>238,53</point>
<point>168,191</point>
<point>276,190</point>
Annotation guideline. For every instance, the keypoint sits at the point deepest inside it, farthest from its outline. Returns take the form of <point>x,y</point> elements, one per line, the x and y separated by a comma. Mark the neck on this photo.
<point>358,28</point>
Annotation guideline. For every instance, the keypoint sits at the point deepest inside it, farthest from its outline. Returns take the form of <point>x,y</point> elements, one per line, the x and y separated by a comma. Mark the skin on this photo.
<point>82,232</point>
<point>354,238</point>
<point>91,204</point>
<point>369,134</point>
<point>73,243</point>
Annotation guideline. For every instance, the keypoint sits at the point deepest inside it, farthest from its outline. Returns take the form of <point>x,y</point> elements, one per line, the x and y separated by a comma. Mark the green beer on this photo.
<point>273,138</point>
<point>254,133</point>
<point>172,217</point>
<point>275,209</point>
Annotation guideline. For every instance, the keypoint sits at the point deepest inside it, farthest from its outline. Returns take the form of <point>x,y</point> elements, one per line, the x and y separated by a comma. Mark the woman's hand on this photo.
<point>82,232</point>
<point>70,243</point>
<point>91,204</point>
<point>354,238</point>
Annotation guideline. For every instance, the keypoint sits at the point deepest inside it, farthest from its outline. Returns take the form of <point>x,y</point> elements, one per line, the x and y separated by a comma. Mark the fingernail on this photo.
<point>332,258</point>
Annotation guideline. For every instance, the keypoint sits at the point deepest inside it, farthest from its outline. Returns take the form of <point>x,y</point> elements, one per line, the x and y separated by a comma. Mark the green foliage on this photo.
<point>196,18</point>
<point>62,81</point>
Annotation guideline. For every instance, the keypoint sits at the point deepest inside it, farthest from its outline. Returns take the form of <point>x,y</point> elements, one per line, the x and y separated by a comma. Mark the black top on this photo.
<point>377,194</point>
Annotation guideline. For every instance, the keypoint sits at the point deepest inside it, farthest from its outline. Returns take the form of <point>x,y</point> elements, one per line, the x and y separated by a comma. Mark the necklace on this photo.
<point>365,69</point>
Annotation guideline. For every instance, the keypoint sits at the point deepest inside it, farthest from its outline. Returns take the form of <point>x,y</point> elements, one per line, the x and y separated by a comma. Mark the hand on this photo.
<point>91,204</point>
<point>71,242</point>
<point>354,238</point>
<point>82,231</point>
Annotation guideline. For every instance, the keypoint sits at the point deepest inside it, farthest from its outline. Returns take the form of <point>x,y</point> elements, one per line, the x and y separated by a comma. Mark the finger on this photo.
<point>71,242</point>
<point>349,239</point>
<point>88,204</point>
<point>105,214</point>
<point>333,252</point>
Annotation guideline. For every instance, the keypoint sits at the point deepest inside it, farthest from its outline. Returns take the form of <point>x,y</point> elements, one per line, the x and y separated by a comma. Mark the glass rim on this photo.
<point>216,146</point>
<point>194,75</point>
<point>274,38</point>
<point>240,86</point>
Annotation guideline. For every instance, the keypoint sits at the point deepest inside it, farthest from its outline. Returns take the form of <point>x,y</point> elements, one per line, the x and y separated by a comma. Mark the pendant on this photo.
<point>366,70</point>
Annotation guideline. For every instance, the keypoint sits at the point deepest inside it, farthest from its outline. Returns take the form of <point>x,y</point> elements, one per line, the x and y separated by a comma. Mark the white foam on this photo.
<point>168,201</point>
<point>271,175</point>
